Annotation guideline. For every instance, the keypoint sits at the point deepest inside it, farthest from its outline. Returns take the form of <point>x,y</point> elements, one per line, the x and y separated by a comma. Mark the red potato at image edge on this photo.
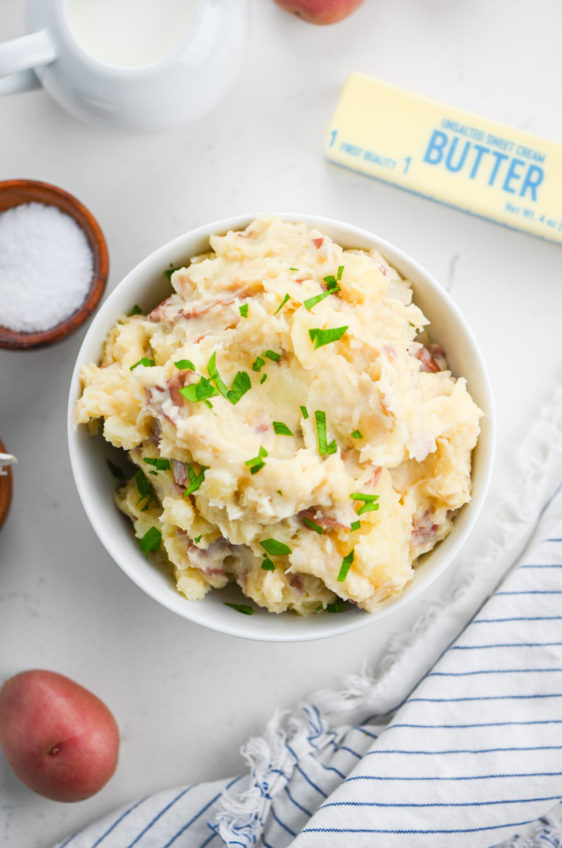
<point>58,737</point>
<point>320,11</point>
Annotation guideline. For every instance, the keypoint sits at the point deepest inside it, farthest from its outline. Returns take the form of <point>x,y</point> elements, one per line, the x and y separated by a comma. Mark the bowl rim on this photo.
<point>333,625</point>
<point>36,191</point>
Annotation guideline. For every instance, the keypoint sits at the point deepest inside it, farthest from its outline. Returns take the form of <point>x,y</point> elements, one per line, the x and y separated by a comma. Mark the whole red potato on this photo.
<point>58,737</point>
<point>320,11</point>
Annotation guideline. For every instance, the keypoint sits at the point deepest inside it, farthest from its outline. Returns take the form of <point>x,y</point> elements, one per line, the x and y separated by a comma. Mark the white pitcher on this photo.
<point>131,64</point>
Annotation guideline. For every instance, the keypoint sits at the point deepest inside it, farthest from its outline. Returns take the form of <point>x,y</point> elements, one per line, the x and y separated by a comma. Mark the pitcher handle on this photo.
<point>19,56</point>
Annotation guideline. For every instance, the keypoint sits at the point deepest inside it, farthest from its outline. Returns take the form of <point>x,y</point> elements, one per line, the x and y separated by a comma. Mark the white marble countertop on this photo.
<point>186,698</point>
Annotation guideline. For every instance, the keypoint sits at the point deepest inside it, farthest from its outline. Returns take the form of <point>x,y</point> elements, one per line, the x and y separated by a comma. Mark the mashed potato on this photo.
<point>291,428</point>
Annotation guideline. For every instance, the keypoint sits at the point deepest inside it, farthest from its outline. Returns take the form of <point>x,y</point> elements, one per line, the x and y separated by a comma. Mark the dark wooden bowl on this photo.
<point>5,490</point>
<point>16,192</point>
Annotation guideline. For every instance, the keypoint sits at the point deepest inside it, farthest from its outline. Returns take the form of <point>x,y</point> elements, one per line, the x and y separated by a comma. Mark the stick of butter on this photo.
<point>458,158</point>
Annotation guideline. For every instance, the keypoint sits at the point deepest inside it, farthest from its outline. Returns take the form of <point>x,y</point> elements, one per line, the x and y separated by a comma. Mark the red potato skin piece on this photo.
<point>59,738</point>
<point>320,11</point>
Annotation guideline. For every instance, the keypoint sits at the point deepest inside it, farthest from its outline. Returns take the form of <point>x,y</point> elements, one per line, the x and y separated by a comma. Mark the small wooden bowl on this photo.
<point>5,490</point>
<point>16,192</point>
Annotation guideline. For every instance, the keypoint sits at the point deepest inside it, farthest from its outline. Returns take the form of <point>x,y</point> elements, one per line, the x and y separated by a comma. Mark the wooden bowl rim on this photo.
<point>6,488</point>
<point>48,194</point>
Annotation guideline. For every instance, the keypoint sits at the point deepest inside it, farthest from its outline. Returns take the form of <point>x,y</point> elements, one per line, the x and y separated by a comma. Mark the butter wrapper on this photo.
<point>455,157</point>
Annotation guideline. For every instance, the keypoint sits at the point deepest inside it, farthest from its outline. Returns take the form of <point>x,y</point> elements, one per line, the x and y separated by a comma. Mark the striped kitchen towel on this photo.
<point>458,740</point>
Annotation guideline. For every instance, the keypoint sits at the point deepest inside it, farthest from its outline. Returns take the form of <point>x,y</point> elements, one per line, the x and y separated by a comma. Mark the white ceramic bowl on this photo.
<point>146,286</point>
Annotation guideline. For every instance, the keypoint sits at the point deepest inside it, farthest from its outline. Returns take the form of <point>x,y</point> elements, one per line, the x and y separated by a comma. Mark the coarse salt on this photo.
<point>46,267</point>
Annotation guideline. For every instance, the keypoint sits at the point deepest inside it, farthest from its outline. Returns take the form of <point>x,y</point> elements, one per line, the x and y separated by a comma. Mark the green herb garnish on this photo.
<point>159,464</point>
<point>145,491</point>
<point>369,502</point>
<point>346,565</point>
<point>215,377</point>
<point>117,472</point>
<point>267,564</point>
<point>275,548</point>
<point>136,310</point>
<point>198,539</point>
<point>240,386</point>
<point>145,361</point>
<point>312,525</point>
<point>282,304</point>
<point>323,447</point>
<point>281,429</point>
<point>195,479</point>
<point>256,463</point>
<point>169,271</point>
<point>304,411</point>
<point>263,378</point>
<point>323,337</point>
<point>355,525</point>
<point>258,364</point>
<point>271,354</point>
<point>312,301</point>
<point>293,269</point>
<point>243,309</point>
<point>151,541</point>
<point>357,434</point>
<point>185,365</point>
<point>243,608</point>
<point>340,271</point>
<point>337,606</point>
<point>199,391</point>
<point>331,288</point>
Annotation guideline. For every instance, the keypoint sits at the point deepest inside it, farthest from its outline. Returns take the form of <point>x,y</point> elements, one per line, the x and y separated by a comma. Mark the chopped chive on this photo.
<point>279,492</point>
<point>151,541</point>
<point>185,365</point>
<point>355,525</point>
<point>243,309</point>
<point>271,354</point>
<point>322,337</point>
<point>340,271</point>
<point>117,472</point>
<point>263,378</point>
<point>198,391</point>
<point>369,502</point>
<point>154,473</point>
<point>293,269</point>
<point>346,565</point>
<point>258,364</point>
<point>304,411</point>
<point>159,464</point>
<point>282,304</point>
<point>240,386</point>
<point>257,462</point>
<point>281,429</point>
<point>198,539</point>
<point>312,525</point>
<point>275,548</point>
<point>243,608</point>
<point>267,564</point>
<point>323,447</point>
<point>145,361</point>
<point>337,606</point>
<point>357,434</point>
<point>136,310</point>
<point>169,271</point>
<point>195,480</point>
